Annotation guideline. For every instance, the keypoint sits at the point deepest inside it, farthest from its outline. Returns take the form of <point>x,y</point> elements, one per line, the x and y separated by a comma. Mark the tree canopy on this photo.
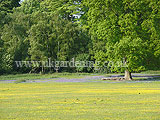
<point>126,30</point>
<point>103,30</point>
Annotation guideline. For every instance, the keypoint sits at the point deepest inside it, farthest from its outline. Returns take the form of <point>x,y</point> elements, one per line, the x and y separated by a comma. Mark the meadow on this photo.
<point>80,101</point>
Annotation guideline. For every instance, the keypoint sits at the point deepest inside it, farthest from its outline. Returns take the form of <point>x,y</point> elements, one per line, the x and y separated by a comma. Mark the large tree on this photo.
<point>128,30</point>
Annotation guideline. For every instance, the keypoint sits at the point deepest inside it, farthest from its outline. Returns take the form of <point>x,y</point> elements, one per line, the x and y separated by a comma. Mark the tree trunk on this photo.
<point>56,70</point>
<point>128,75</point>
<point>42,69</point>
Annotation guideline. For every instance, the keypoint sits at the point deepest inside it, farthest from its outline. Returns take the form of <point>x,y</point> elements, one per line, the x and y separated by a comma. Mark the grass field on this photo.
<point>80,101</point>
<point>41,76</point>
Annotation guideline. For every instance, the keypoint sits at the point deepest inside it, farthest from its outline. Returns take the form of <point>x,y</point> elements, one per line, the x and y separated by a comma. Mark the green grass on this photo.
<point>80,101</point>
<point>26,76</point>
<point>145,78</point>
<point>43,76</point>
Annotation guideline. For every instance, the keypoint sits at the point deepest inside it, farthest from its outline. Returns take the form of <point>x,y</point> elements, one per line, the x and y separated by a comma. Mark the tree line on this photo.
<point>87,30</point>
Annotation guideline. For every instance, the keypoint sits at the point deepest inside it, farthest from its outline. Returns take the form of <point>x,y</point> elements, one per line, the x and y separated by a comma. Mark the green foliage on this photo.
<point>30,6</point>
<point>126,30</point>
<point>14,38</point>
<point>85,66</point>
<point>105,30</point>
<point>8,5</point>
<point>38,30</point>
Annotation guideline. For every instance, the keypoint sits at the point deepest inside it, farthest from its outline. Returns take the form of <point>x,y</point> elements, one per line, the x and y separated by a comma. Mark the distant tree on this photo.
<point>38,30</point>
<point>15,44</point>
<point>6,6</point>
<point>54,33</point>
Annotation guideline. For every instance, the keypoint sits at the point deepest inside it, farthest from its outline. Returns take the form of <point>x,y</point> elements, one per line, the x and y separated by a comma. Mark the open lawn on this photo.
<point>80,101</point>
<point>42,76</point>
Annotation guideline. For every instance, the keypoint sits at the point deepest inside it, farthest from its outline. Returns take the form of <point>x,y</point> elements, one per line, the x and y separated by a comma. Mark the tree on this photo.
<point>54,33</point>
<point>129,31</point>
<point>14,38</point>
<point>6,6</point>
<point>83,64</point>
